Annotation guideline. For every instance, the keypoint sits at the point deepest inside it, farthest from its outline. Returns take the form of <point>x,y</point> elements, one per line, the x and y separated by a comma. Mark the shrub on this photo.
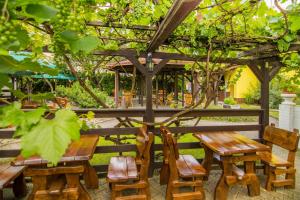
<point>229,101</point>
<point>79,96</point>
<point>252,96</point>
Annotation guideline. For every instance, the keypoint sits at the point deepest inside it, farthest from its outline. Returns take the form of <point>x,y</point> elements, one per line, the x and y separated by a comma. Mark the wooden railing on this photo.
<point>113,113</point>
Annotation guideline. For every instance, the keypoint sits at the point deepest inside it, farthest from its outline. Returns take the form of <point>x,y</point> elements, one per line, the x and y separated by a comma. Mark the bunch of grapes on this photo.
<point>7,31</point>
<point>70,15</point>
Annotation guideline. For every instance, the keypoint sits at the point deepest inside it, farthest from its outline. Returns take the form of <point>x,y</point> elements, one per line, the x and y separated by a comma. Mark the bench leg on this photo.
<point>164,174</point>
<point>208,161</point>
<point>1,195</point>
<point>221,190</point>
<point>293,177</point>
<point>90,177</point>
<point>19,186</point>
<point>254,186</point>
<point>270,178</point>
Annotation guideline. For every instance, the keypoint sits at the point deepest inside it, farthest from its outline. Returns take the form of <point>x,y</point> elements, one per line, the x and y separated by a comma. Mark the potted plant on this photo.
<point>229,102</point>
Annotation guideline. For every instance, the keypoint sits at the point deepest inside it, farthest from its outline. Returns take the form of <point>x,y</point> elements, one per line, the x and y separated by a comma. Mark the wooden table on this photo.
<point>78,154</point>
<point>230,148</point>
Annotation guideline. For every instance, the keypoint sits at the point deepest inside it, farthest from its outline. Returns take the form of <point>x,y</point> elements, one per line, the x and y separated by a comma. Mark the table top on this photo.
<point>229,143</point>
<point>81,150</point>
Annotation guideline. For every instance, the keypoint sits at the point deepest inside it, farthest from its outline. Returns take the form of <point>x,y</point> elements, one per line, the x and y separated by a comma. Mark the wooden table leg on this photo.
<point>90,176</point>
<point>254,186</point>
<point>19,186</point>
<point>39,183</point>
<point>207,161</point>
<point>222,187</point>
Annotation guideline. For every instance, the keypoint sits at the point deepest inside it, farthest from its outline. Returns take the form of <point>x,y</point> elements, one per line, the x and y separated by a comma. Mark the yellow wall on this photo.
<point>243,84</point>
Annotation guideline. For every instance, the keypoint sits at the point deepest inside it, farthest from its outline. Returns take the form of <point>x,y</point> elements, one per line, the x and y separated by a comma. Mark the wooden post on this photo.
<point>142,89</point>
<point>264,101</point>
<point>164,85</point>
<point>117,85</point>
<point>192,86</point>
<point>156,91</point>
<point>196,86</point>
<point>176,88</point>
<point>182,89</point>
<point>149,114</point>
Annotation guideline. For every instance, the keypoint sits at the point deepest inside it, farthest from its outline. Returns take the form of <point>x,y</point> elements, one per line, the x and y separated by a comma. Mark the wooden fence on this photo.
<point>113,113</point>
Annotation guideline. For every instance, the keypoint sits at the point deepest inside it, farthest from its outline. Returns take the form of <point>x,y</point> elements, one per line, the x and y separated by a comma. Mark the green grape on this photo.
<point>7,31</point>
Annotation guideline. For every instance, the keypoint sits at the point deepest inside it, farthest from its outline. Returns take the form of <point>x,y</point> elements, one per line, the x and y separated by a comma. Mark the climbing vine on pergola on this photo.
<point>87,34</point>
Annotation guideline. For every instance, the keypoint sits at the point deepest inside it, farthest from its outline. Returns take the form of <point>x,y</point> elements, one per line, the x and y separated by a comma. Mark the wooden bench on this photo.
<point>275,165</point>
<point>180,171</point>
<point>12,176</point>
<point>126,172</point>
<point>57,183</point>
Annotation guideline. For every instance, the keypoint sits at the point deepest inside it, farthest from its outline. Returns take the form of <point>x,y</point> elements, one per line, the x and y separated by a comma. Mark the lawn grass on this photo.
<point>234,119</point>
<point>274,113</point>
<point>103,158</point>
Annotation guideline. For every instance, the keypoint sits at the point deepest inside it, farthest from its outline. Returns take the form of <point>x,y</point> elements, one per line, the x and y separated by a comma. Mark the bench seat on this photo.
<point>122,169</point>
<point>189,167</point>
<point>9,173</point>
<point>273,160</point>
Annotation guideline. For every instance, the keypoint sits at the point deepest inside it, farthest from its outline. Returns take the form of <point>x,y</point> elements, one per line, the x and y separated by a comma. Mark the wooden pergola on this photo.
<point>163,72</point>
<point>263,60</point>
<point>264,65</point>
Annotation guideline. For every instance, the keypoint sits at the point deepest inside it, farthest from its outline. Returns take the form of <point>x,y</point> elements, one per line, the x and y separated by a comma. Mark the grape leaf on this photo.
<point>11,115</point>
<point>85,44</point>
<point>41,12</point>
<point>50,138</point>
<point>295,22</point>
<point>30,119</point>
<point>5,81</point>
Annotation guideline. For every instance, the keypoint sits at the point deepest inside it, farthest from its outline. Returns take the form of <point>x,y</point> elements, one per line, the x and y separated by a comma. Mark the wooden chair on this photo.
<point>275,165</point>
<point>180,171</point>
<point>12,176</point>
<point>126,172</point>
<point>57,183</point>
<point>62,102</point>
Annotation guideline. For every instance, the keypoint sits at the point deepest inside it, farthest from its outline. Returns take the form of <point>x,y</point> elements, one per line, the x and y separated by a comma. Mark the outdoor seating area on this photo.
<point>150,100</point>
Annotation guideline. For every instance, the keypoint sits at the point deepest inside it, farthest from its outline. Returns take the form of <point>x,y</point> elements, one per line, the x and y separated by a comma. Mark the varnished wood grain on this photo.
<point>230,148</point>
<point>180,167</point>
<point>81,150</point>
<point>228,143</point>
<point>275,165</point>
<point>126,172</point>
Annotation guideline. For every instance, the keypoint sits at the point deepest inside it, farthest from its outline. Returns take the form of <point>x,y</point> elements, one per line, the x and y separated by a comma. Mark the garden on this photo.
<point>87,83</point>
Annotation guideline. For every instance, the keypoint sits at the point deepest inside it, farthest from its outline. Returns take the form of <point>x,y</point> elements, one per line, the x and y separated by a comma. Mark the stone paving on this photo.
<point>158,192</point>
<point>236,192</point>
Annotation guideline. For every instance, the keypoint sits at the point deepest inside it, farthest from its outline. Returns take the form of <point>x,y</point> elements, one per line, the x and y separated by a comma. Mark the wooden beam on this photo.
<point>134,60</point>
<point>115,25</point>
<point>275,69</point>
<point>177,13</point>
<point>257,72</point>
<point>174,56</point>
<point>160,65</point>
<point>117,85</point>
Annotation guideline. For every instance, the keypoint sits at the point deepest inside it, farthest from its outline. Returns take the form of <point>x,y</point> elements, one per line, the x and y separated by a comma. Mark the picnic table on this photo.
<point>230,148</point>
<point>77,155</point>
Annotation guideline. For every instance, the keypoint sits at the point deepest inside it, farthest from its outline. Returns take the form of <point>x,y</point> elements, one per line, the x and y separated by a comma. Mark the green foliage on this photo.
<point>78,95</point>
<point>50,138</point>
<point>40,12</point>
<point>230,101</point>
<point>85,44</point>
<point>39,136</point>
<point>252,96</point>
